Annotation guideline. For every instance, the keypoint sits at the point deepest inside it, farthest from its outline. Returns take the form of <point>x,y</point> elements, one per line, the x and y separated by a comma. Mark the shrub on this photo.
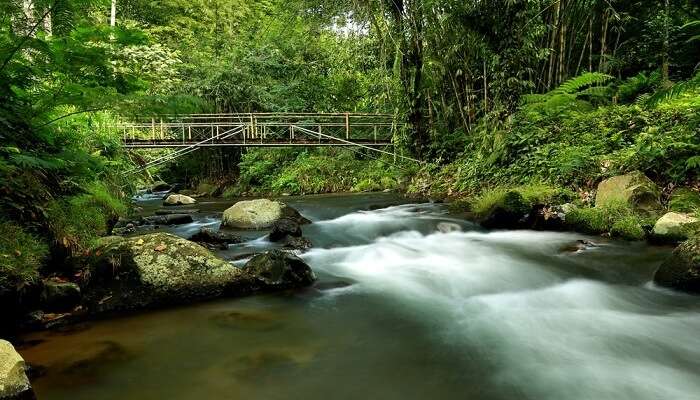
<point>21,255</point>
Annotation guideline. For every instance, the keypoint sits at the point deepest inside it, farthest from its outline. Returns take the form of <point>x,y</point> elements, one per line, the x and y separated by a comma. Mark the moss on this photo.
<point>628,227</point>
<point>684,200</point>
<point>519,199</point>
<point>616,217</point>
<point>21,255</point>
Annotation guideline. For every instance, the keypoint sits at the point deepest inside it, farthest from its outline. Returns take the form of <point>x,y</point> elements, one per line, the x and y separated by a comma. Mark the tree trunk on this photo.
<point>28,8</point>
<point>552,46</point>
<point>113,14</point>
<point>602,65</point>
<point>666,46</point>
<point>562,45</point>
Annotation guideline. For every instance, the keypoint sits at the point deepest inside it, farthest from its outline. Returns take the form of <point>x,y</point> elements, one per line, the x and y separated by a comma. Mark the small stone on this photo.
<point>178,200</point>
<point>448,227</point>
<point>283,228</point>
<point>279,270</point>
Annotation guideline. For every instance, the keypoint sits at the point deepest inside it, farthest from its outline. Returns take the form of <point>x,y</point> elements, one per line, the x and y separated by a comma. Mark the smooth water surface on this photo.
<point>402,311</point>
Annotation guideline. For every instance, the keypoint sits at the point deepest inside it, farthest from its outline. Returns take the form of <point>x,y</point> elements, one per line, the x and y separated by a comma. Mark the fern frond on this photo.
<point>597,91</point>
<point>675,91</point>
<point>577,83</point>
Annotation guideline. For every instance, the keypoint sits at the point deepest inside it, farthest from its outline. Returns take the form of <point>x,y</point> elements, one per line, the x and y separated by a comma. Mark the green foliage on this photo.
<point>21,255</point>
<point>689,88</point>
<point>569,96</point>
<point>631,89</point>
<point>684,200</point>
<point>577,149</point>
<point>309,172</point>
<point>77,222</point>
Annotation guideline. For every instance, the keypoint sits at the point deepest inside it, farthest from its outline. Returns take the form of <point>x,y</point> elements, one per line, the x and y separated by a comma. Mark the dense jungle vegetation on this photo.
<point>542,95</point>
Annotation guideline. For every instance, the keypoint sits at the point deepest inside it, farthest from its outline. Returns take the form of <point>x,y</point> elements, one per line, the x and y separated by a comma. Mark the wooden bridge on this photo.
<point>259,130</point>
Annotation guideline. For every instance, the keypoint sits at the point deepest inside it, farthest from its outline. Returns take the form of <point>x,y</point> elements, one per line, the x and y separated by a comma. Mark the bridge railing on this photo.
<point>262,128</point>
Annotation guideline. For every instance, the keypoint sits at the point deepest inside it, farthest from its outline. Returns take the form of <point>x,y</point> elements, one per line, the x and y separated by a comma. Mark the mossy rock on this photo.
<point>681,271</point>
<point>506,212</point>
<point>676,227</point>
<point>634,189</point>
<point>684,200</point>
<point>154,270</point>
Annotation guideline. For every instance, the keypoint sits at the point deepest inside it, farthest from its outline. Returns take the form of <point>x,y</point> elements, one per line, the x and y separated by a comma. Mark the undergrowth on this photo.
<point>312,172</point>
<point>21,255</point>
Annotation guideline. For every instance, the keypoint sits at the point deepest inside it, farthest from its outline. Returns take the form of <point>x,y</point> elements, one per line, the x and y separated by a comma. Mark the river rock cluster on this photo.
<point>158,269</point>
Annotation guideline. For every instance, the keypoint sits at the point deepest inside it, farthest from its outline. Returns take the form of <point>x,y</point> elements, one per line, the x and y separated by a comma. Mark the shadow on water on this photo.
<point>402,310</point>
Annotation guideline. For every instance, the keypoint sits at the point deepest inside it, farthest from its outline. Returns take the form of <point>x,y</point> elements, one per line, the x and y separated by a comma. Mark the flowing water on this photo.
<point>402,311</point>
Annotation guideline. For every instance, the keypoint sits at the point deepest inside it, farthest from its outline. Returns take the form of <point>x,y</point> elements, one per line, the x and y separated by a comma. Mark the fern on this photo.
<point>566,96</point>
<point>692,25</point>
<point>675,91</point>
<point>577,83</point>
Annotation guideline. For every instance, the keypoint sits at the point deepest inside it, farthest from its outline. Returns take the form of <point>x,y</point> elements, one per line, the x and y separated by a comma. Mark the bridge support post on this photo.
<point>347,126</point>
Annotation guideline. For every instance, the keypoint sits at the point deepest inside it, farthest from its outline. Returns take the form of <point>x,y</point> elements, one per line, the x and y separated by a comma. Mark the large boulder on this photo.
<point>178,200</point>
<point>259,214</point>
<point>634,189</point>
<point>676,227</point>
<point>154,270</point>
<point>279,270</point>
<point>14,384</point>
<point>682,270</point>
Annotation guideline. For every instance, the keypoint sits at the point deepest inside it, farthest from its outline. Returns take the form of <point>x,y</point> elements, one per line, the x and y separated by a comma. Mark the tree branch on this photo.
<point>72,113</point>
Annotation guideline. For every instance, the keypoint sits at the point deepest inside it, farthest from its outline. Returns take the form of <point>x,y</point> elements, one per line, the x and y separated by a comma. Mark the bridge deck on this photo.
<point>259,130</point>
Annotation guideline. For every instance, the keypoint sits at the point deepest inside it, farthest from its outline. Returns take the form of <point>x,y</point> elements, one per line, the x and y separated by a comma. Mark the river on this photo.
<point>401,310</point>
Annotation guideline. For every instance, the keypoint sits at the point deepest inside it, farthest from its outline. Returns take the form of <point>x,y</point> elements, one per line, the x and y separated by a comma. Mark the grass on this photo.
<point>21,255</point>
